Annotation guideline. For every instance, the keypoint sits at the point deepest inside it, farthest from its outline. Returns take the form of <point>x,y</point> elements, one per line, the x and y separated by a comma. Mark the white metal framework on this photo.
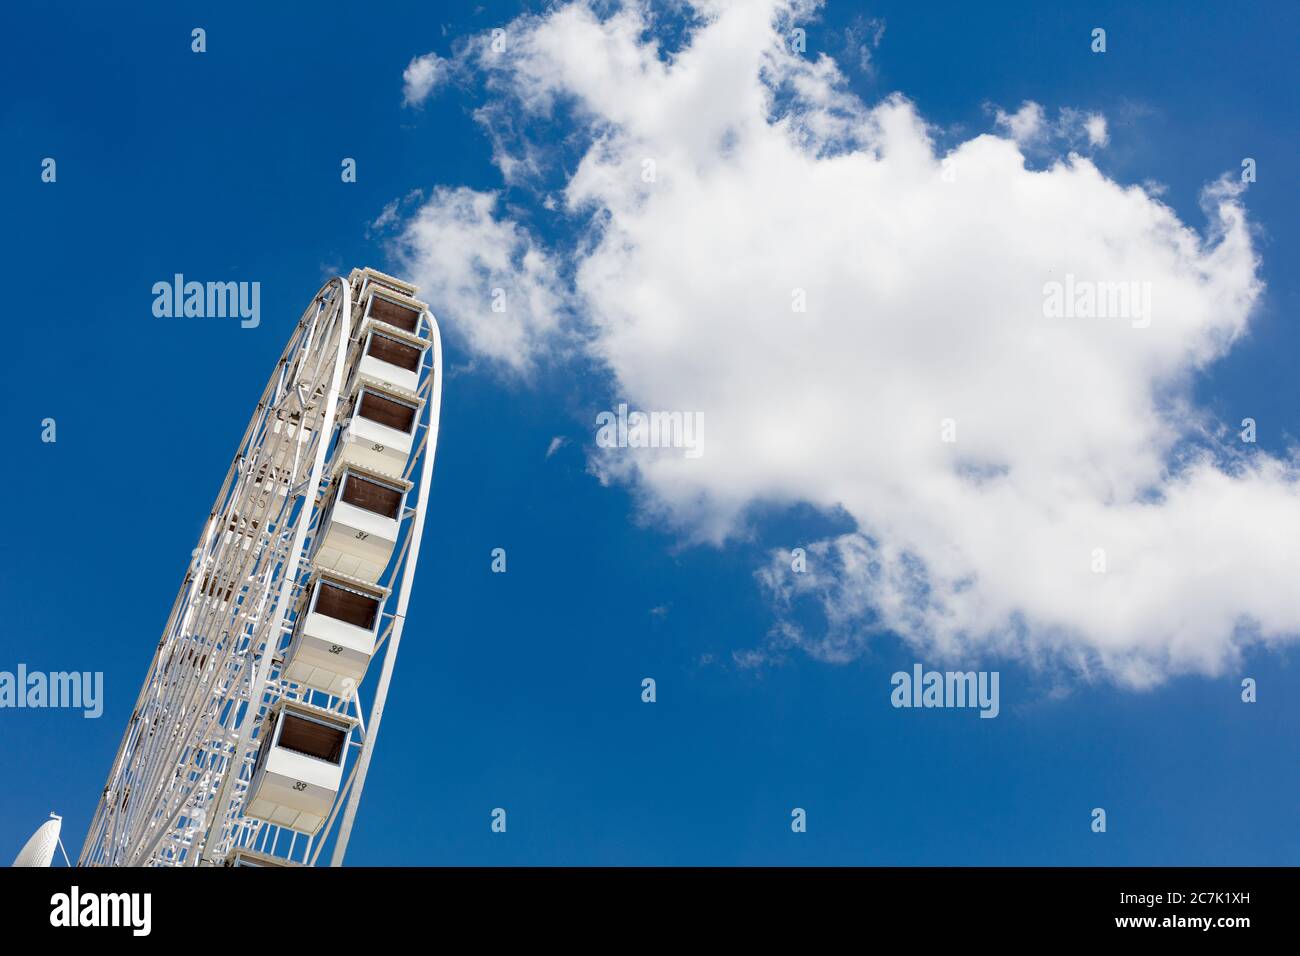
<point>248,745</point>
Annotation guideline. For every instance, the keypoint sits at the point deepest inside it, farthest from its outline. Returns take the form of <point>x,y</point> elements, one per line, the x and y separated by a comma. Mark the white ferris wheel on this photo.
<point>248,744</point>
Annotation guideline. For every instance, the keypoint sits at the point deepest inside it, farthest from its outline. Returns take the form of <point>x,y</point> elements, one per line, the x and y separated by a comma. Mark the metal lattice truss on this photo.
<point>178,792</point>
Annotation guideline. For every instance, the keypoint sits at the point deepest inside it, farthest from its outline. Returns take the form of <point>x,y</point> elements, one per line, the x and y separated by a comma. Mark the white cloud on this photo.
<point>558,442</point>
<point>1032,131</point>
<point>483,276</point>
<point>1095,126</point>
<point>1025,125</point>
<point>392,213</point>
<point>925,300</point>
<point>421,77</point>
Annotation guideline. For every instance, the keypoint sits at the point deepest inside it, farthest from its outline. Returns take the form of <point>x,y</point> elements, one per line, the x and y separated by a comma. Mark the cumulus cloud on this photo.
<point>422,76</point>
<point>863,322</point>
<point>483,275</point>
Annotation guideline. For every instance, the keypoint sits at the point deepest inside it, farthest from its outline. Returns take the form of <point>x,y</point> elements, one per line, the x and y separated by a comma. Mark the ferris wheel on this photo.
<point>248,744</point>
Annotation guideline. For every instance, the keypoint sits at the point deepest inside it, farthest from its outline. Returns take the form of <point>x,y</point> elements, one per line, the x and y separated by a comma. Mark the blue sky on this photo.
<point>522,690</point>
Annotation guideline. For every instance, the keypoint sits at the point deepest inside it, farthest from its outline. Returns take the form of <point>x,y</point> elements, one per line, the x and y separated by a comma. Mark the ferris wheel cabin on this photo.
<point>381,432</point>
<point>245,857</point>
<point>391,357</point>
<point>290,431</point>
<point>392,308</point>
<point>361,524</point>
<point>362,279</point>
<point>334,635</point>
<point>300,766</point>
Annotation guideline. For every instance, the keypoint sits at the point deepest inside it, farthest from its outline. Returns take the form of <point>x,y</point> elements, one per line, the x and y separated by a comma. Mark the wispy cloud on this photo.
<point>861,39</point>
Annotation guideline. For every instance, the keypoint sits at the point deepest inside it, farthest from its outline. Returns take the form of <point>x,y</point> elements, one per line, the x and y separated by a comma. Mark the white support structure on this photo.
<point>201,752</point>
